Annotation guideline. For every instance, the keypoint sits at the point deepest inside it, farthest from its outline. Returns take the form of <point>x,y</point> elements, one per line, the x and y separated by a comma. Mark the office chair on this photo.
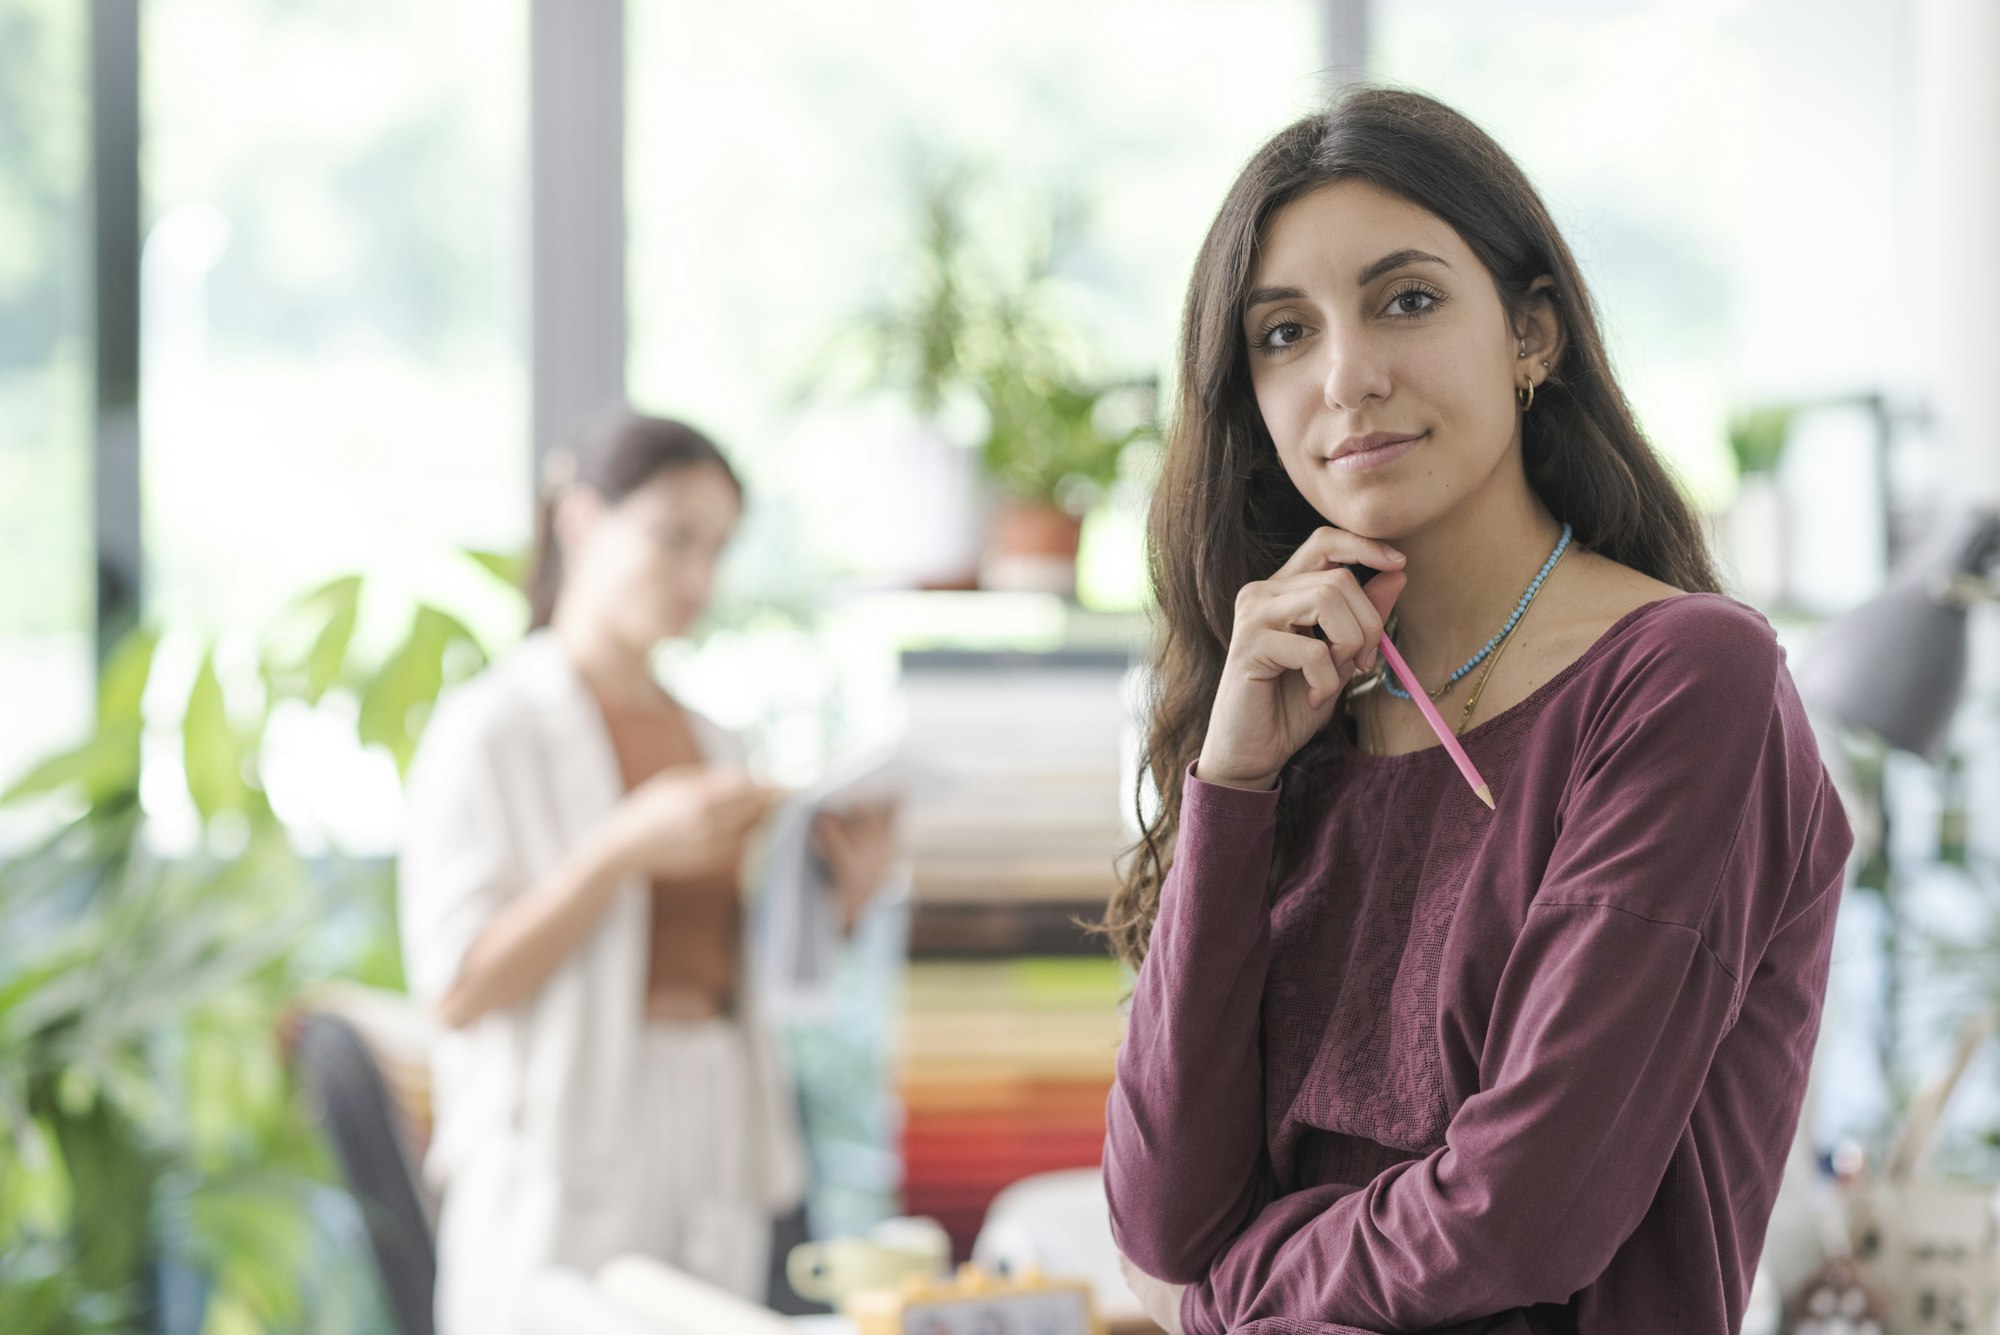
<point>341,1076</point>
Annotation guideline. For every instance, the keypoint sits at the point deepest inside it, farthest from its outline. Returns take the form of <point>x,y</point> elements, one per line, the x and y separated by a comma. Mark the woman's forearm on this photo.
<point>533,934</point>
<point>1184,1164</point>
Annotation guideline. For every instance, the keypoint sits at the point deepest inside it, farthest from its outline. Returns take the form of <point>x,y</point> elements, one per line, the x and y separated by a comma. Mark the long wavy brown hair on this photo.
<point>1225,513</point>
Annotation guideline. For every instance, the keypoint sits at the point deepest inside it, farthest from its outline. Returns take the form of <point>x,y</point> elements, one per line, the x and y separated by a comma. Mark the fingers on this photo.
<point>741,807</point>
<point>863,820</point>
<point>1330,546</point>
<point>1334,603</point>
<point>872,820</point>
<point>744,814</point>
<point>1268,653</point>
<point>854,834</point>
<point>730,782</point>
<point>1382,591</point>
<point>1333,600</point>
<point>831,837</point>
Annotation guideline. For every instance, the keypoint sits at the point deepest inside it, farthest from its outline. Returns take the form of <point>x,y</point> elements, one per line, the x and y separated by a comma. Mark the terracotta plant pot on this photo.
<point>1032,548</point>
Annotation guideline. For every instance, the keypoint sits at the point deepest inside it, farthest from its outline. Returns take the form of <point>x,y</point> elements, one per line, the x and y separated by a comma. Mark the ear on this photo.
<point>1540,327</point>
<point>578,512</point>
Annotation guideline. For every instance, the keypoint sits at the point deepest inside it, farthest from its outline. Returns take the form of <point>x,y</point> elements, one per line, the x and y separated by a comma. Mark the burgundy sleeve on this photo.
<point>1680,832</point>
<point>1184,1163</point>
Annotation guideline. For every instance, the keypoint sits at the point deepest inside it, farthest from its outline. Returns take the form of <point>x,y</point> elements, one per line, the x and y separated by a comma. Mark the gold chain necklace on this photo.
<point>1471,701</point>
<point>1380,745</point>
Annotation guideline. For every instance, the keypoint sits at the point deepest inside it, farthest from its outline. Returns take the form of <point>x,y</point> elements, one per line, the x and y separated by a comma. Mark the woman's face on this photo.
<point>647,563</point>
<point>1367,314</point>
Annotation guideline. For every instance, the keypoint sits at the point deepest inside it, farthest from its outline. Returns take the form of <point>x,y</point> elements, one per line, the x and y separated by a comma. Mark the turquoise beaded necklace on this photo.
<point>1389,680</point>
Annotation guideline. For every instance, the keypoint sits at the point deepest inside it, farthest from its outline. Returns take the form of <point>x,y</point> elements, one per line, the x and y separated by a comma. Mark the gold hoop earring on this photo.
<point>1526,397</point>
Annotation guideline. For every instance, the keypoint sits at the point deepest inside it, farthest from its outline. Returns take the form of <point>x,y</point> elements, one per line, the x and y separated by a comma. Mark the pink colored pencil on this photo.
<point>1423,699</point>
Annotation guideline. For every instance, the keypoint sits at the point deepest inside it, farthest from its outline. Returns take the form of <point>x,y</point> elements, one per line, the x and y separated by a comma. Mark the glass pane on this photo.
<point>334,285</point>
<point>772,199</point>
<point>1701,159</point>
<point>48,591</point>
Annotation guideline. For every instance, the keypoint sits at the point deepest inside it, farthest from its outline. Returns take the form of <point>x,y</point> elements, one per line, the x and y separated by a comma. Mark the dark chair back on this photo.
<point>341,1075</point>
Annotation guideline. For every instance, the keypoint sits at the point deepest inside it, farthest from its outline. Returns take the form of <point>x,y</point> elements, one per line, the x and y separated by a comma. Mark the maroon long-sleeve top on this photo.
<point>1533,1069</point>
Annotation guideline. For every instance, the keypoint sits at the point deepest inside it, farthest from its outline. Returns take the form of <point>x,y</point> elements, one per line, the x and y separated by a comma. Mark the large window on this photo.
<point>1728,174</point>
<point>774,153</point>
<point>46,585</point>
<point>334,287</point>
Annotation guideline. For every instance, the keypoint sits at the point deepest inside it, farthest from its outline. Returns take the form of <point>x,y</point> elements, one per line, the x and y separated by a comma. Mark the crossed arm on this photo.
<point>1604,1025</point>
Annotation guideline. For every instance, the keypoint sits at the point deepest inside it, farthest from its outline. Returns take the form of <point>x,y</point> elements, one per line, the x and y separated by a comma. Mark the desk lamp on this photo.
<point>1896,664</point>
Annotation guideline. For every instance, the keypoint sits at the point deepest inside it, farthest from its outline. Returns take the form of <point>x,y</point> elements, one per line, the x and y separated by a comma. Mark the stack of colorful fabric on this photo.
<point>1025,755</point>
<point>1004,1069</point>
<point>1010,1023</point>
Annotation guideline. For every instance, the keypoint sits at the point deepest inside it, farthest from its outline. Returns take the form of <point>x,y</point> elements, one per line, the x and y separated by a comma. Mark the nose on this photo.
<point>1354,372</point>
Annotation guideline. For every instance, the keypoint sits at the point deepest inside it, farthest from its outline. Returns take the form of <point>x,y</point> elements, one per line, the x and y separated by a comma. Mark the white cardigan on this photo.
<point>514,769</point>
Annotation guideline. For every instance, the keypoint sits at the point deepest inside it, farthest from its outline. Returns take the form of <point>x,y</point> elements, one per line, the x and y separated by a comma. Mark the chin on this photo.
<point>1375,518</point>
<point>1367,512</point>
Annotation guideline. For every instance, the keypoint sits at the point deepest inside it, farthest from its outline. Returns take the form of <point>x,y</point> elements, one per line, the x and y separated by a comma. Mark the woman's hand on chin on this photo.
<point>1299,638</point>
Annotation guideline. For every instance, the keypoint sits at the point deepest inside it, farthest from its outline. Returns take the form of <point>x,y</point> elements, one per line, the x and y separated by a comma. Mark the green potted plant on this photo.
<point>155,1159</point>
<point>1757,526</point>
<point>1052,449</point>
<point>156,1173</point>
<point>918,344</point>
<point>976,323</point>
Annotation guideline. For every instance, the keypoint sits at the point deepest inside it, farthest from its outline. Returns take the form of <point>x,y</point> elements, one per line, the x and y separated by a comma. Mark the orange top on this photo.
<point>692,964</point>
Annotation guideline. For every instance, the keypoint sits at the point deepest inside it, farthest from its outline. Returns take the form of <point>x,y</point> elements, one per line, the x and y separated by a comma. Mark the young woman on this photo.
<point>569,889</point>
<point>1398,1062</point>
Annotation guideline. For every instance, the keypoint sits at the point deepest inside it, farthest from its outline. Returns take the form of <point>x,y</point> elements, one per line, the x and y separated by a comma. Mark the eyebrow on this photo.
<point>1395,260</point>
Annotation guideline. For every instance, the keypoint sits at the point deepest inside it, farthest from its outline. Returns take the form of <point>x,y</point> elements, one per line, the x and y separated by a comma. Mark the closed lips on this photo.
<point>1374,441</point>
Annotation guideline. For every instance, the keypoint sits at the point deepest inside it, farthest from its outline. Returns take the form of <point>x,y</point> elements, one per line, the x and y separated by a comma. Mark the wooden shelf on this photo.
<point>1003,930</point>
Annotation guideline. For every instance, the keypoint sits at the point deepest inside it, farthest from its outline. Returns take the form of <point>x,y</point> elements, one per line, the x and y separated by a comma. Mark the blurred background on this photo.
<point>295,297</point>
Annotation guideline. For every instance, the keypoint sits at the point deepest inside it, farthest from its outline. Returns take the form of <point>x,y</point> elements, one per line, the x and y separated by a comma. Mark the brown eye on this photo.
<point>1413,302</point>
<point>1278,335</point>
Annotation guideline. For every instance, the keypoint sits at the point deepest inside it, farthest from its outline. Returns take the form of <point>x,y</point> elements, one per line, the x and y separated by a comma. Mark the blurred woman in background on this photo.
<point>571,911</point>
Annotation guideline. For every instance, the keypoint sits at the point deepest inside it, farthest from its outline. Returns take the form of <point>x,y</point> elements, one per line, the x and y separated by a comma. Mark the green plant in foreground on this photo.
<point>149,1131</point>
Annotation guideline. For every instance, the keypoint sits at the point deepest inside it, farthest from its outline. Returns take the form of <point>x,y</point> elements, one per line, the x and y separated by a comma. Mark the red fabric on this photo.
<point>1535,1069</point>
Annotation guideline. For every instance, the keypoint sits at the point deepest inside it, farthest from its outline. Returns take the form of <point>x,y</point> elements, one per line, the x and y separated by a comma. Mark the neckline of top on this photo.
<point>1528,704</point>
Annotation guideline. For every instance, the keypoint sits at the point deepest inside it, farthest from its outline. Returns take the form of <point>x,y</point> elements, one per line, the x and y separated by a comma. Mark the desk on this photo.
<point>564,1302</point>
